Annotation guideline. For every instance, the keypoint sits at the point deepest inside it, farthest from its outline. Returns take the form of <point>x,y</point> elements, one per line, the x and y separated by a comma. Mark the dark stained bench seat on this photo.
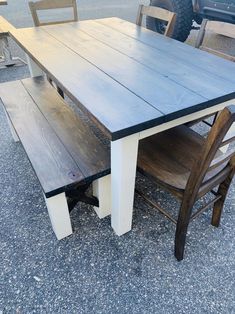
<point>65,154</point>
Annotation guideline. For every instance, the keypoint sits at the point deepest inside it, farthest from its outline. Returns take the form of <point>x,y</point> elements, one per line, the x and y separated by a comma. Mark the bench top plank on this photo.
<point>164,83</point>
<point>54,167</point>
<point>90,155</point>
<point>61,147</point>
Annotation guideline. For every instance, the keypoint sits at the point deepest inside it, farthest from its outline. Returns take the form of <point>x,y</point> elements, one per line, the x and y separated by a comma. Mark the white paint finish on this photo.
<point>123,173</point>
<point>13,132</point>
<point>102,190</point>
<point>6,58</point>
<point>34,69</point>
<point>185,119</point>
<point>59,215</point>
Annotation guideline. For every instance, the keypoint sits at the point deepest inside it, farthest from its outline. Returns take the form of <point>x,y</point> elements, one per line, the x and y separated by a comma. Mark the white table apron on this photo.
<point>124,154</point>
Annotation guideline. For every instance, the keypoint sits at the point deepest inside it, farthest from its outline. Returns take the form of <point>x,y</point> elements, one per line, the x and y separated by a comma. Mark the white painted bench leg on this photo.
<point>59,215</point>
<point>102,190</point>
<point>13,132</point>
<point>123,173</point>
<point>34,69</point>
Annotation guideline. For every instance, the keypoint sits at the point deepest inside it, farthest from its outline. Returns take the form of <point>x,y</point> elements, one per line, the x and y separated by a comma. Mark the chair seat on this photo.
<point>168,158</point>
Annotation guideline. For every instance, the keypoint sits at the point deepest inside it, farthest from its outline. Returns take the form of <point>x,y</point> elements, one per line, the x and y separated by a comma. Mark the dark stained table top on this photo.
<point>125,77</point>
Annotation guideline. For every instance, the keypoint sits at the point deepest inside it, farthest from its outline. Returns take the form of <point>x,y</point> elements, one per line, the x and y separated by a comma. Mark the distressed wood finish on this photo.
<point>89,69</point>
<point>62,149</point>
<point>80,38</point>
<point>50,5</point>
<point>189,166</point>
<point>177,50</point>
<point>158,13</point>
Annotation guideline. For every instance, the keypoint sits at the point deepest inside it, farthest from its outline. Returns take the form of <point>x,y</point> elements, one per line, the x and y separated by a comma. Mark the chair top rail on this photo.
<point>221,28</point>
<point>52,4</point>
<point>49,5</point>
<point>157,13</point>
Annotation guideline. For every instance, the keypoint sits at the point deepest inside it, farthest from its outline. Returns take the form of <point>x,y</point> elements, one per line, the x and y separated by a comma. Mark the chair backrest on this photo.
<point>210,159</point>
<point>159,14</point>
<point>221,28</point>
<point>52,5</point>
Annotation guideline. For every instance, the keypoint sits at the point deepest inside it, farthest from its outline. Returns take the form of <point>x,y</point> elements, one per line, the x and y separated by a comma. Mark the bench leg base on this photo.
<point>102,190</point>
<point>59,215</point>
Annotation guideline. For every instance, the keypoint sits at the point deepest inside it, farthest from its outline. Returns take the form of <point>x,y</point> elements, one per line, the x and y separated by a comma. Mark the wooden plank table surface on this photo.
<point>3,2</point>
<point>132,83</point>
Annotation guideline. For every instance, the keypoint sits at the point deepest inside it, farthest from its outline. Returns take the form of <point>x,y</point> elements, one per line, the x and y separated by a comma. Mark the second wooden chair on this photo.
<point>189,166</point>
<point>159,14</point>
<point>52,5</point>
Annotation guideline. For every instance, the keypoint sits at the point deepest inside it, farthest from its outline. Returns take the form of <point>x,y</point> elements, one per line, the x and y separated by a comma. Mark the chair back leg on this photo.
<point>223,191</point>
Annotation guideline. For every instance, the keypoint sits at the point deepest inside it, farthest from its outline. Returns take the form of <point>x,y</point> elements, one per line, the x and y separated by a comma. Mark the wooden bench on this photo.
<point>7,59</point>
<point>65,154</point>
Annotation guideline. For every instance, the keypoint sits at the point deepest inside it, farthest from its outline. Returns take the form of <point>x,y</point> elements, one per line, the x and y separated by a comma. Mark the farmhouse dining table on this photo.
<point>132,83</point>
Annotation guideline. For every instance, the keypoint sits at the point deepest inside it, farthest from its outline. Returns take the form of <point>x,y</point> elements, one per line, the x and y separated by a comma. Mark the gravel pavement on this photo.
<point>93,270</point>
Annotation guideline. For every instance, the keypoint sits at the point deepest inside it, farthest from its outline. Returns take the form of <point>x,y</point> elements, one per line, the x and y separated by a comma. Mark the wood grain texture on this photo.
<point>173,48</point>
<point>138,79</point>
<point>159,91</point>
<point>109,104</point>
<point>61,148</point>
<point>87,151</point>
<point>54,167</point>
<point>180,72</point>
<point>189,166</point>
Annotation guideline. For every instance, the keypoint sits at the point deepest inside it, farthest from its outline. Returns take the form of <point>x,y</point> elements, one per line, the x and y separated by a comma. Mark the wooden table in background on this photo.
<point>132,83</point>
<point>3,2</point>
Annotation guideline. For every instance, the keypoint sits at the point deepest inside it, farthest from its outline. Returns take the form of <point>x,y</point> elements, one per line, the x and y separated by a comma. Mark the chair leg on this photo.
<point>59,215</point>
<point>181,230</point>
<point>218,206</point>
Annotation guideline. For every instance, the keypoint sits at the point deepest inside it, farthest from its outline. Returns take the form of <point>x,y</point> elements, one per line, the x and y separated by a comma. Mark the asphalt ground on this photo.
<point>93,270</point>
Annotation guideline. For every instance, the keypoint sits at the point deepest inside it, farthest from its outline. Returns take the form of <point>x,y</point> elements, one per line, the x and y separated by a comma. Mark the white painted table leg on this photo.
<point>34,69</point>
<point>102,190</point>
<point>59,215</point>
<point>123,173</point>
<point>13,132</point>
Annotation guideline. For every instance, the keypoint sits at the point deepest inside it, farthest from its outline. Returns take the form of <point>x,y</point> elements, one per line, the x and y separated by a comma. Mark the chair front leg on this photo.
<point>181,229</point>
<point>218,206</point>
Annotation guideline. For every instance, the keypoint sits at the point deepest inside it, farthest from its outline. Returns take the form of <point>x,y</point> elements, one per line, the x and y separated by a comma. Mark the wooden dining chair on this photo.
<point>220,28</point>
<point>190,166</point>
<point>159,14</point>
<point>52,5</point>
